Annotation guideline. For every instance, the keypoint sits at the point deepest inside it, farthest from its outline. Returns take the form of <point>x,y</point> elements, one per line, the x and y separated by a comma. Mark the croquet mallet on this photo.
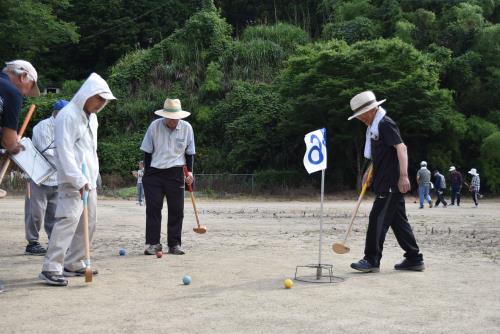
<point>200,228</point>
<point>341,248</point>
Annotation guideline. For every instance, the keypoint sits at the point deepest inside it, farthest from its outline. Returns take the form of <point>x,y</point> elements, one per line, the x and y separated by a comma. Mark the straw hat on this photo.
<point>172,109</point>
<point>363,102</point>
<point>473,171</point>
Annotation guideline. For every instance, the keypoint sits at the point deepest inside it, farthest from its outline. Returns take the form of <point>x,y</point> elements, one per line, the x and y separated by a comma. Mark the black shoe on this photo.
<point>176,250</point>
<point>34,248</point>
<point>53,278</point>
<point>410,265</point>
<point>365,266</point>
<point>78,273</point>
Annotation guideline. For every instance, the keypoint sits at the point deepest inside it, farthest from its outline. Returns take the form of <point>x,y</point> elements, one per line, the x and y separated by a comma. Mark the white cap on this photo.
<point>423,164</point>
<point>452,168</point>
<point>26,66</point>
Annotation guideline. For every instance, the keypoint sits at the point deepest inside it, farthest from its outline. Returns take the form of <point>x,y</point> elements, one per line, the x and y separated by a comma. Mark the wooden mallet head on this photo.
<point>340,248</point>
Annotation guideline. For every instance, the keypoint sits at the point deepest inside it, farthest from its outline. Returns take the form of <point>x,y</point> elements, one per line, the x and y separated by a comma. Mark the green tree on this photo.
<point>490,161</point>
<point>28,28</point>
<point>320,81</point>
<point>358,29</point>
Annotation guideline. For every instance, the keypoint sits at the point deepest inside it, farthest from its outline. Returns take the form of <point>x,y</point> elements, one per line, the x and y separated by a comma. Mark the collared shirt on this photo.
<point>43,140</point>
<point>168,146</point>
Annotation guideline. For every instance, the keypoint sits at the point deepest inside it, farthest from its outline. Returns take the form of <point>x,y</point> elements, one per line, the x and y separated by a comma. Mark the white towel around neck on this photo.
<point>372,132</point>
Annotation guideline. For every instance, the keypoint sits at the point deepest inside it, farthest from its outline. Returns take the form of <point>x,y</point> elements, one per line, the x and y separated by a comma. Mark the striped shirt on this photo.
<point>168,146</point>
<point>43,140</point>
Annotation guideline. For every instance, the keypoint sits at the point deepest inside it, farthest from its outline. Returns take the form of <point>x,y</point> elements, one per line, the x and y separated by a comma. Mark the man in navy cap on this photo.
<point>43,199</point>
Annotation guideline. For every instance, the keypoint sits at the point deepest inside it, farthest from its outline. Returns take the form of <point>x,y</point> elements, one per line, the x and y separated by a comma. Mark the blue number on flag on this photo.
<point>315,148</point>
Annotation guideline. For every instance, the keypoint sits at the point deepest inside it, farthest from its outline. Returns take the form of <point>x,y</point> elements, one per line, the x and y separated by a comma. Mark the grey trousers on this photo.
<point>42,207</point>
<point>67,245</point>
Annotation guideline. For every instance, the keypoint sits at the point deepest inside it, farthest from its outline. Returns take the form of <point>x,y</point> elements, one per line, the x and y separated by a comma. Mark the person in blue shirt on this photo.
<point>17,79</point>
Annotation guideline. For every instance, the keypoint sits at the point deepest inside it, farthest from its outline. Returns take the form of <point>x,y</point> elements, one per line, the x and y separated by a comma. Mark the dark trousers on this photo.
<point>389,211</point>
<point>455,194</point>
<point>474,196</point>
<point>440,195</point>
<point>158,184</point>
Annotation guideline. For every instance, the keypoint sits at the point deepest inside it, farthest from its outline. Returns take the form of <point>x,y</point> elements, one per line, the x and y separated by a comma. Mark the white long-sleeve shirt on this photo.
<point>43,140</point>
<point>76,137</point>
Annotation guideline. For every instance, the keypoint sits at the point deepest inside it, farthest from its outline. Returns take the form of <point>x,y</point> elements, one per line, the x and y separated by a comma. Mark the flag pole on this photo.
<point>318,271</point>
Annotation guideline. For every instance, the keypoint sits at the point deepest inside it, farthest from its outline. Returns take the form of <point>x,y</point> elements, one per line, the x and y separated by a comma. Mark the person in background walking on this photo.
<point>440,186</point>
<point>455,185</point>
<point>140,189</point>
<point>475,185</point>
<point>424,184</point>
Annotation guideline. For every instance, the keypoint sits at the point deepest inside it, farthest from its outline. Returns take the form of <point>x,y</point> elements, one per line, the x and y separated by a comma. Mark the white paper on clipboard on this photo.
<point>33,163</point>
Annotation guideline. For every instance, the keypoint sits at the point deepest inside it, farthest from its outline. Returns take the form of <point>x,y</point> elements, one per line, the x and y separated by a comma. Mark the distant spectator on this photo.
<point>455,185</point>
<point>140,189</point>
<point>440,186</point>
<point>475,185</point>
<point>424,184</point>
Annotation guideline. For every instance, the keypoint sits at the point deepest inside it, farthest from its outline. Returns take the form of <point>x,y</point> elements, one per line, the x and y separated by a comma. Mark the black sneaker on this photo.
<point>34,248</point>
<point>78,273</point>
<point>176,250</point>
<point>410,265</point>
<point>53,278</point>
<point>365,266</point>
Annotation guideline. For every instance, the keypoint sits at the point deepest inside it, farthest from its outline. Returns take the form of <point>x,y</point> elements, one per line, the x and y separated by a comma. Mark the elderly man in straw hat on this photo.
<point>385,147</point>
<point>168,145</point>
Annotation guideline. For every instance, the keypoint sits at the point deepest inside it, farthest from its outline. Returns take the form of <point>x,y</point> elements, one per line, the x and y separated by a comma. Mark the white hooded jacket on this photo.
<point>76,136</point>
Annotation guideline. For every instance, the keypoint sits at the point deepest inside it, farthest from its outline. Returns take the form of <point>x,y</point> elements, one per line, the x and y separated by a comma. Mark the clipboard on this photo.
<point>33,163</point>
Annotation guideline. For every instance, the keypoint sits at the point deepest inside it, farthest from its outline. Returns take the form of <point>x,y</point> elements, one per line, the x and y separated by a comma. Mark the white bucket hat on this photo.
<point>364,102</point>
<point>26,67</point>
<point>473,171</point>
<point>172,109</point>
<point>452,168</point>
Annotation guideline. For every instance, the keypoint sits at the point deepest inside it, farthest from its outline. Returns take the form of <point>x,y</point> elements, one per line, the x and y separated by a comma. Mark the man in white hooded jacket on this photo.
<point>75,146</point>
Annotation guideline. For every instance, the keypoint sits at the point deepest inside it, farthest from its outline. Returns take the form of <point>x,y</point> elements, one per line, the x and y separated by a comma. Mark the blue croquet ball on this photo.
<point>186,280</point>
<point>122,252</point>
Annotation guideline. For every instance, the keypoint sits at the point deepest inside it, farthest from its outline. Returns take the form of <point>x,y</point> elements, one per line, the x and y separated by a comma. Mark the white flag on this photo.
<point>315,157</point>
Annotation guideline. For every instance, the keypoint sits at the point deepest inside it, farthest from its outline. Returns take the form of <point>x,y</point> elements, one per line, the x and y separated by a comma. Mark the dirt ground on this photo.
<point>238,269</point>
